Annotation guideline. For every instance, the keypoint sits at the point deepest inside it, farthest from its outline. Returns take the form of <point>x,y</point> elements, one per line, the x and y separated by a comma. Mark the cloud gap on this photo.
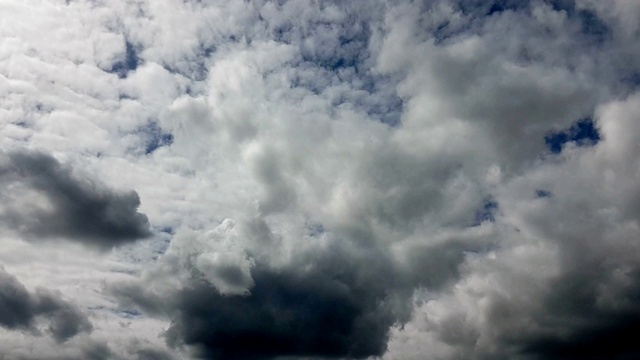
<point>583,133</point>
<point>130,61</point>
<point>154,137</point>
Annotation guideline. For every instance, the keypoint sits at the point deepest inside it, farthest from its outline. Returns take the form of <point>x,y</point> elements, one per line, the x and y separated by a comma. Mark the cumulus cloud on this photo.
<point>325,302</point>
<point>448,199</point>
<point>443,179</point>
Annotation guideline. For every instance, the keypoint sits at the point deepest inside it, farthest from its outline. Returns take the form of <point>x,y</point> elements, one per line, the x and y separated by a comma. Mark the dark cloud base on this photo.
<point>286,315</point>
<point>329,306</point>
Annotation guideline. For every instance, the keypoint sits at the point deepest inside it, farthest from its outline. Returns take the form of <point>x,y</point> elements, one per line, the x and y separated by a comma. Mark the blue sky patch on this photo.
<point>566,5</point>
<point>130,62</point>
<point>155,137</point>
<point>583,133</point>
<point>129,313</point>
<point>506,5</point>
<point>591,25</point>
<point>487,8</point>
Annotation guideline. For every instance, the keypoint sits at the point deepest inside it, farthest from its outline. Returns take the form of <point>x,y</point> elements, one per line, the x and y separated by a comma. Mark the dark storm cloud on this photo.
<point>575,319</point>
<point>584,327</point>
<point>592,308</point>
<point>331,305</point>
<point>151,354</point>
<point>20,309</point>
<point>286,314</point>
<point>80,210</point>
<point>436,266</point>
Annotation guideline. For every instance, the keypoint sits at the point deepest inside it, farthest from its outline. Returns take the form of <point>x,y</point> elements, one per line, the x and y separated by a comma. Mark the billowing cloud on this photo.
<point>404,180</point>
<point>325,302</point>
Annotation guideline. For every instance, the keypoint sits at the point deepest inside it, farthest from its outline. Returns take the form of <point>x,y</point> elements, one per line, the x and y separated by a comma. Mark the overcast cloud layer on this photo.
<point>440,179</point>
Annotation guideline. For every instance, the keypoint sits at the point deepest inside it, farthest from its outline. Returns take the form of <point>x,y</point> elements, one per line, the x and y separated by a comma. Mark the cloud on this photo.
<point>323,303</point>
<point>445,199</point>
<point>71,207</point>
<point>22,309</point>
<point>152,354</point>
<point>86,350</point>
<point>443,179</point>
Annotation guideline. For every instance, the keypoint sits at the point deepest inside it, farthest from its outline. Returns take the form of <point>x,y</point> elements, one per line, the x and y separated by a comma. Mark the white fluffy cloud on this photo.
<point>446,179</point>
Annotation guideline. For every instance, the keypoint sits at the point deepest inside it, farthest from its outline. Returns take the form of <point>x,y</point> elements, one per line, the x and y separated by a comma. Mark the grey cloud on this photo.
<point>88,347</point>
<point>65,320</point>
<point>80,210</point>
<point>585,327</point>
<point>437,266</point>
<point>568,291</point>
<point>577,314</point>
<point>152,354</point>
<point>16,307</point>
<point>20,310</point>
<point>333,303</point>
<point>89,350</point>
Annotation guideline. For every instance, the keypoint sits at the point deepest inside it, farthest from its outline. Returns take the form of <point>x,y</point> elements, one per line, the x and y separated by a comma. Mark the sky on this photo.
<point>304,179</point>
